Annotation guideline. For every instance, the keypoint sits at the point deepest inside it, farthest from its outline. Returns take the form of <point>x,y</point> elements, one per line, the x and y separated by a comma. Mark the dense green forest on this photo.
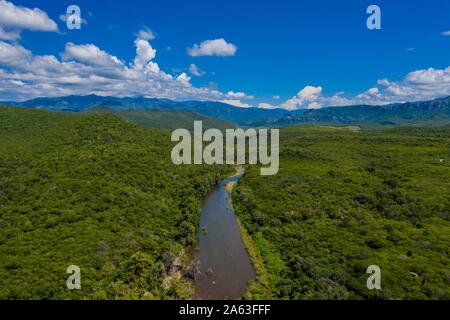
<point>98,192</point>
<point>344,200</point>
<point>165,119</point>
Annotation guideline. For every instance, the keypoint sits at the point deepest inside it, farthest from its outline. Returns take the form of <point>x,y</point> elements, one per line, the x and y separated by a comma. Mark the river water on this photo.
<point>225,265</point>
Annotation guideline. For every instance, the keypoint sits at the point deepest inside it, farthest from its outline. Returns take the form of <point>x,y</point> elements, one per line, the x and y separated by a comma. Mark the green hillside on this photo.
<point>98,192</point>
<point>345,200</point>
<point>165,119</point>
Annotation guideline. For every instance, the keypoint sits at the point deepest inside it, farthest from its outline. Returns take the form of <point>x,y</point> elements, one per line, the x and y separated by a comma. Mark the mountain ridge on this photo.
<point>435,111</point>
<point>215,109</point>
<point>423,112</point>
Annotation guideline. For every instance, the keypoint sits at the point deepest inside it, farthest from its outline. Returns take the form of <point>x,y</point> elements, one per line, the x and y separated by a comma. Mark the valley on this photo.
<point>98,191</point>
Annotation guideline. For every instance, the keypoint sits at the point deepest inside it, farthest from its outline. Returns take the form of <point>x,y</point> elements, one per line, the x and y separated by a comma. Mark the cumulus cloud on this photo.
<point>216,47</point>
<point>446,33</point>
<point>184,78</point>
<point>146,34</point>
<point>13,55</point>
<point>422,84</point>
<point>144,52</point>
<point>14,19</point>
<point>196,71</point>
<point>425,84</point>
<point>17,17</point>
<point>311,97</point>
<point>239,95</point>
<point>87,69</point>
<point>89,54</point>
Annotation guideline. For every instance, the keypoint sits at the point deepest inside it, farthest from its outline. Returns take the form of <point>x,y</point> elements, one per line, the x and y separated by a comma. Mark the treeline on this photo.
<point>97,192</point>
<point>345,200</point>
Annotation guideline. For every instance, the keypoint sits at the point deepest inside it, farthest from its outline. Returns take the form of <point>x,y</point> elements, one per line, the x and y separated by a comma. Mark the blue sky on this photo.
<point>296,54</point>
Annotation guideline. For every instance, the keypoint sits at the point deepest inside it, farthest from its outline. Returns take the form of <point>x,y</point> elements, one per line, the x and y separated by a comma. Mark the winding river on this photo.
<point>225,265</point>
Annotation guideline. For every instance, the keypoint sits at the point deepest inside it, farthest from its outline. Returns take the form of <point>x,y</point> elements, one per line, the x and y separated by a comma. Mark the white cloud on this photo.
<point>265,105</point>
<point>236,103</point>
<point>17,17</point>
<point>276,97</point>
<point>426,84</point>
<point>13,55</point>
<point>422,84</point>
<point>429,76</point>
<point>144,54</point>
<point>87,69</point>
<point>311,97</point>
<point>383,82</point>
<point>446,33</point>
<point>14,19</point>
<point>196,71</point>
<point>216,47</point>
<point>89,54</point>
<point>9,35</point>
<point>146,34</point>
<point>238,95</point>
<point>373,91</point>
<point>184,78</point>
<point>309,93</point>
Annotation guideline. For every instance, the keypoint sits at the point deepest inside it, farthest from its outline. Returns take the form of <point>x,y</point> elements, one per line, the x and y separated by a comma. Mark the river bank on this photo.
<point>262,281</point>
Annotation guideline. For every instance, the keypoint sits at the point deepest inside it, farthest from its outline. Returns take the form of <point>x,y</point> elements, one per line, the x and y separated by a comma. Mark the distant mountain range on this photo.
<point>242,116</point>
<point>434,112</point>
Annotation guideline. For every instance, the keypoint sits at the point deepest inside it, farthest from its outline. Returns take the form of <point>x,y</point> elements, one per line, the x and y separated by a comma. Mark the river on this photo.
<point>225,265</point>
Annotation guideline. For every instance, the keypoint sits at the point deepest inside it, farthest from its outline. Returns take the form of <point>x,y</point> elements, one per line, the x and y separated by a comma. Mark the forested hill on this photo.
<point>345,200</point>
<point>165,119</point>
<point>98,192</point>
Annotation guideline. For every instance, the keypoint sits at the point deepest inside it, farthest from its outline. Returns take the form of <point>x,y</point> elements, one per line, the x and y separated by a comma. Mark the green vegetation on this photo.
<point>345,200</point>
<point>165,119</point>
<point>261,284</point>
<point>98,192</point>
